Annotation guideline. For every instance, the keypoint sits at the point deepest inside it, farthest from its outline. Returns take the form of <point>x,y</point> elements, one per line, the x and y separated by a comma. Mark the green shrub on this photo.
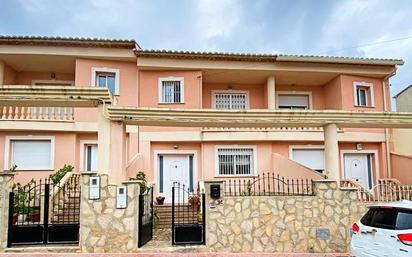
<point>143,184</point>
<point>58,175</point>
<point>13,168</point>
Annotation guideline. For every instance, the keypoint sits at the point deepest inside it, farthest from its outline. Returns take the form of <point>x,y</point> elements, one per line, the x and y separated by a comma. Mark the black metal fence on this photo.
<point>43,212</point>
<point>268,184</point>
<point>188,215</point>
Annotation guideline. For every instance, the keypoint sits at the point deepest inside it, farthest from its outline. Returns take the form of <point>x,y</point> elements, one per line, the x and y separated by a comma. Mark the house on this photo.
<point>40,139</point>
<point>402,149</point>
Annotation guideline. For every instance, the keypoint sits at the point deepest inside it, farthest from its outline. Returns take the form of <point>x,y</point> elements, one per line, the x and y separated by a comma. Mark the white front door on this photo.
<point>175,169</point>
<point>357,168</point>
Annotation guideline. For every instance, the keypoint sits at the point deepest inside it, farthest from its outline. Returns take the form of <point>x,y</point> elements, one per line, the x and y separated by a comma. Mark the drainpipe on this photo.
<point>385,108</point>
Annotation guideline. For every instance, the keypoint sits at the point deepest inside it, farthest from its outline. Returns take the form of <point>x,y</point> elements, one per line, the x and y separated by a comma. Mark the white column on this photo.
<point>1,73</point>
<point>270,84</point>
<point>331,151</point>
<point>103,142</point>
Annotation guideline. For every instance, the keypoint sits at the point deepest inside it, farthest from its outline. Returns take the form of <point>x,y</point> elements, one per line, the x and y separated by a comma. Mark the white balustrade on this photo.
<point>36,113</point>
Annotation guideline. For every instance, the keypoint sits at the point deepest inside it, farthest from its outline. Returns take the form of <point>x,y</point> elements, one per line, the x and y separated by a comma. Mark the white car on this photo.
<point>385,230</point>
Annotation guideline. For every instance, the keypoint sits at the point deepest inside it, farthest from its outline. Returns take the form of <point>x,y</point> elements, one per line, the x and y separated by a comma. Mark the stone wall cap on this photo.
<point>213,181</point>
<point>7,173</point>
<point>325,181</point>
<point>348,189</point>
<point>132,181</point>
<point>90,173</point>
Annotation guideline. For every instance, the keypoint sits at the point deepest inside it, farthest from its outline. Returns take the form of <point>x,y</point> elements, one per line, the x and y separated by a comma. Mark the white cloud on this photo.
<point>216,18</point>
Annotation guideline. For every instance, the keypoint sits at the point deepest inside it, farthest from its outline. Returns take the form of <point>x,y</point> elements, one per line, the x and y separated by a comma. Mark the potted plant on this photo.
<point>22,199</point>
<point>34,214</point>
<point>194,202</point>
<point>160,200</point>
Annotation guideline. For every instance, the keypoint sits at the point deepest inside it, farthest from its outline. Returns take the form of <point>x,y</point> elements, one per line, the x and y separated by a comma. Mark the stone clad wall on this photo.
<point>6,184</point>
<point>284,223</point>
<point>103,228</point>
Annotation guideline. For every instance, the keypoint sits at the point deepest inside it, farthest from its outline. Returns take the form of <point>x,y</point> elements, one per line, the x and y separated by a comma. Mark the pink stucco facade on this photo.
<point>143,145</point>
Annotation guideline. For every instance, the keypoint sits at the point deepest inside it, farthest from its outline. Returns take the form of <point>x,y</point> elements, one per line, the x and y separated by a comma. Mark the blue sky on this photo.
<point>261,26</point>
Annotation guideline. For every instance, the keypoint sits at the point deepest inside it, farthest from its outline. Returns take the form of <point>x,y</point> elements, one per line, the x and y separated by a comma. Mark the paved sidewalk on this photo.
<point>175,254</point>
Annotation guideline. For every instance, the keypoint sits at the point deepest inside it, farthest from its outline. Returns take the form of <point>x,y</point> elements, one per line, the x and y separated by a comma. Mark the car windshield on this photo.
<point>388,218</point>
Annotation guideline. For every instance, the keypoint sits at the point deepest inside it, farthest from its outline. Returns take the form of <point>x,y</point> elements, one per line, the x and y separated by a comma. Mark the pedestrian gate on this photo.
<point>188,216</point>
<point>43,212</point>
<point>145,217</point>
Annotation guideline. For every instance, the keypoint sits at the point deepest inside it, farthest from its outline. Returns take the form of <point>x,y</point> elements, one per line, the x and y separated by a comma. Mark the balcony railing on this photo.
<point>36,113</point>
<point>256,129</point>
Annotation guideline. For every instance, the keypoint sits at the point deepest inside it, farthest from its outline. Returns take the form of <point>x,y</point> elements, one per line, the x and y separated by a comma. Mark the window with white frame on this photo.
<point>232,161</point>
<point>106,77</point>
<point>230,100</point>
<point>313,158</point>
<point>171,90</point>
<point>33,154</point>
<point>363,94</point>
<point>90,157</point>
<point>293,101</point>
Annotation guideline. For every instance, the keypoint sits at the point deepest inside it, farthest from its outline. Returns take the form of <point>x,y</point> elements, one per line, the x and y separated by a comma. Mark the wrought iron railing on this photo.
<point>268,184</point>
<point>386,190</point>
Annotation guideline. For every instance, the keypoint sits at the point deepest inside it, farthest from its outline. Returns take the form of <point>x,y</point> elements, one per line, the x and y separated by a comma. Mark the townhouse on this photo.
<point>40,140</point>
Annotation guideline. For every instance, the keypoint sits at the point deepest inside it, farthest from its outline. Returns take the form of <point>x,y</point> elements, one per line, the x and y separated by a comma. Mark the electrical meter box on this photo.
<point>121,197</point>
<point>94,186</point>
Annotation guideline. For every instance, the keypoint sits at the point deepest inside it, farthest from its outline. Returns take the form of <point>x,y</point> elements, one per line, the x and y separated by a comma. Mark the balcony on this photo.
<point>62,114</point>
<point>258,129</point>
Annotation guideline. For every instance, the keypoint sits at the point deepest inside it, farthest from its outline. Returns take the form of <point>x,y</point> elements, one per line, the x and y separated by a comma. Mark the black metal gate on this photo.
<point>145,217</point>
<point>44,212</point>
<point>188,216</point>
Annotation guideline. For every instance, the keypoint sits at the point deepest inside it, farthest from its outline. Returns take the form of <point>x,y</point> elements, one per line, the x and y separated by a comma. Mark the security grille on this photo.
<point>230,100</point>
<point>171,91</point>
<point>235,161</point>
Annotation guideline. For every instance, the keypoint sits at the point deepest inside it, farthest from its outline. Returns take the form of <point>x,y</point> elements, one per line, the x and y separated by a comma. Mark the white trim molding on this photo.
<point>308,93</point>
<point>7,149</point>
<point>365,151</point>
<point>156,154</point>
<point>368,85</point>
<point>83,143</point>
<point>116,72</point>
<point>171,78</point>
<point>254,172</point>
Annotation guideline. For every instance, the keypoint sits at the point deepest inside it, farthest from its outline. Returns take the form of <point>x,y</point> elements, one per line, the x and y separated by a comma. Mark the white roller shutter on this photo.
<point>311,158</point>
<point>31,154</point>
<point>293,101</point>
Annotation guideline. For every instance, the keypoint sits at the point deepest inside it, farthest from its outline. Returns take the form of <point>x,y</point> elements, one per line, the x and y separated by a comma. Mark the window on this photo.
<point>388,218</point>
<point>171,90</point>
<point>235,161</point>
<point>313,158</point>
<point>363,94</point>
<point>106,77</point>
<point>90,157</point>
<point>293,101</point>
<point>230,100</point>
<point>30,154</point>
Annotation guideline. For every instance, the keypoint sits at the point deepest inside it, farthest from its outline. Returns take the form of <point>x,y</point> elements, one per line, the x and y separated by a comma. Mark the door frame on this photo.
<point>375,172</point>
<point>157,153</point>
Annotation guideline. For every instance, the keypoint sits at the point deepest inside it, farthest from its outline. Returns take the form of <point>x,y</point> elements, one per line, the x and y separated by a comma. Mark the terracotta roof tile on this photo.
<point>262,57</point>
<point>68,41</point>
